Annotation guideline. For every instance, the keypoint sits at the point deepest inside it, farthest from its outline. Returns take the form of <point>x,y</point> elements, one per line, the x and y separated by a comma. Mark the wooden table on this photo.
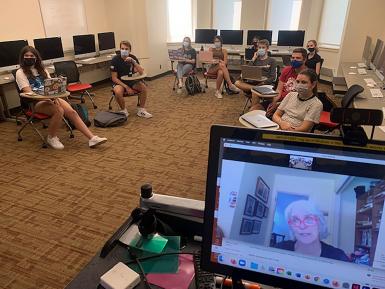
<point>37,97</point>
<point>134,77</point>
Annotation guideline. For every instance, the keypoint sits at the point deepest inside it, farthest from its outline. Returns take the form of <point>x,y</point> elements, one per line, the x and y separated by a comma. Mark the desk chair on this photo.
<point>32,117</point>
<point>70,70</point>
<point>192,72</point>
<point>286,59</point>
<point>347,100</point>
<point>135,93</point>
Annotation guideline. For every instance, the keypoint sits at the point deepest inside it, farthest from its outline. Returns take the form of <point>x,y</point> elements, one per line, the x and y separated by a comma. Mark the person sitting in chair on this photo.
<point>300,110</point>
<point>187,65</point>
<point>30,77</point>
<point>126,64</point>
<point>261,59</point>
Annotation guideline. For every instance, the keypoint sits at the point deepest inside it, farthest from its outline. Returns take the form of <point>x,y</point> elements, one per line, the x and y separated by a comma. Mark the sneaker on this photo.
<point>179,90</point>
<point>233,88</point>
<point>124,111</point>
<point>218,94</point>
<point>144,113</point>
<point>55,143</point>
<point>95,141</point>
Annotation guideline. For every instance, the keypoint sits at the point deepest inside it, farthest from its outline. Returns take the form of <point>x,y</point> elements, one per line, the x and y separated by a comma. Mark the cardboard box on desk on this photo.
<point>55,85</point>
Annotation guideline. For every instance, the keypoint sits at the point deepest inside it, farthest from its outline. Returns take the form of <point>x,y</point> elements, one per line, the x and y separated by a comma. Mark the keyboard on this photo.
<point>376,92</point>
<point>361,65</point>
<point>89,59</point>
<point>361,71</point>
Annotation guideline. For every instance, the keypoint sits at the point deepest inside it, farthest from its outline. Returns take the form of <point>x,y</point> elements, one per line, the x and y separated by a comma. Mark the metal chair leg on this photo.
<point>110,102</point>
<point>19,138</point>
<point>248,100</point>
<point>69,127</point>
<point>175,80</point>
<point>91,98</point>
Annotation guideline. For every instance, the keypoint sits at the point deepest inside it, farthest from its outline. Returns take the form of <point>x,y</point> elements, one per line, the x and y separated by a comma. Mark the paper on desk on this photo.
<point>179,280</point>
<point>353,67</point>
<point>352,73</point>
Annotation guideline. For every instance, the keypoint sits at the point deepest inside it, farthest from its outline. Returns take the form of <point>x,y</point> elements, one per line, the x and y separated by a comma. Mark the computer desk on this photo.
<point>365,99</point>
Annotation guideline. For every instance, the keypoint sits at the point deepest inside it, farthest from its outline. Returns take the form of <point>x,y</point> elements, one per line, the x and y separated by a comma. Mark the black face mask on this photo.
<point>29,61</point>
<point>311,49</point>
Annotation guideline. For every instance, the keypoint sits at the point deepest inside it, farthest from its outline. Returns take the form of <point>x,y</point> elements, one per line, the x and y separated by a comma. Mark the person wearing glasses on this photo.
<point>308,227</point>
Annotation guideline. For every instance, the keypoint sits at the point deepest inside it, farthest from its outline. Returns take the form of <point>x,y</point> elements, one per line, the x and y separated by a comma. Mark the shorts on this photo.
<point>130,83</point>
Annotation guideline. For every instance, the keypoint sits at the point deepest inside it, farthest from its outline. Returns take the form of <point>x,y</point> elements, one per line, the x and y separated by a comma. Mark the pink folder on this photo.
<point>179,280</point>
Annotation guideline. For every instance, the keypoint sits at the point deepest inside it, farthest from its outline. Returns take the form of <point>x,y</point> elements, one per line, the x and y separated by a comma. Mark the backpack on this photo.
<point>228,90</point>
<point>82,111</point>
<point>193,85</point>
<point>109,119</point>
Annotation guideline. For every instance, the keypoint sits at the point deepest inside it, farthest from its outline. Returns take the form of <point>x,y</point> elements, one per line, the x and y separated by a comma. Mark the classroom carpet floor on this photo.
<point>57,208</point>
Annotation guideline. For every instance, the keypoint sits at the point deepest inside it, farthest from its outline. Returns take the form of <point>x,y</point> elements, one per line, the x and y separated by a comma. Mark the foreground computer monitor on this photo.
<point>106,42</point>
<point>376,53</point>
<point>232,37</point>
<point>84,45</point>
<point>260,34</point>
<point>50,49</point>
<point>294,210</point>
<point>380,58</point>
<point>9,54</point>
<point>205,36</point>
<point>366,51</point>
<point>291,38</point>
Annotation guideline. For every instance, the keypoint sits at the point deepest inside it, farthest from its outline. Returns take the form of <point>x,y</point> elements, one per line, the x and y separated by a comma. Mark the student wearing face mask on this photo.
<point>187,65</point>
<point>30,77</point>
<point>301,109</point>
<point>268,64</point>
<point>127,64</point>
<point>313,59</point>
<point>220,69</point>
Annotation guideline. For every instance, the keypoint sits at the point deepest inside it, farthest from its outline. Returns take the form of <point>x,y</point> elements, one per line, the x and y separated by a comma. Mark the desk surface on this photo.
<point>365,99</point>
<point>35,96</point>
<point>95,59</point>
<point>134,77</point>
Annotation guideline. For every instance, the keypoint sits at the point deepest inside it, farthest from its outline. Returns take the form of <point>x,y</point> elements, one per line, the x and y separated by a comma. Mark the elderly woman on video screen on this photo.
<point>308,227</point>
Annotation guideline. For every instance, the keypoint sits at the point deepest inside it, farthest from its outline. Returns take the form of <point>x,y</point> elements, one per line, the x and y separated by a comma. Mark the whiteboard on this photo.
<point>64,18</point>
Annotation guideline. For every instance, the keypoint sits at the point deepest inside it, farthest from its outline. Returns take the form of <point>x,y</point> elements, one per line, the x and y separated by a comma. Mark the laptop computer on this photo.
<point>206,57</point>
<point>259,121</point>
<point>54,86</point>
<point>175,54</point>
<point>251,72</point>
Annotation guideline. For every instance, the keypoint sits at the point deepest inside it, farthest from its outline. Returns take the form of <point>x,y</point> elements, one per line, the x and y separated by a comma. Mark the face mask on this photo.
<point>311,49</point>
<point>124,53</point>
<point>296,63</point>
<point>29,61</point>
<point>186,44</point>
<point>303,91</point>
<point>217,44</point>
<point>261,52</point>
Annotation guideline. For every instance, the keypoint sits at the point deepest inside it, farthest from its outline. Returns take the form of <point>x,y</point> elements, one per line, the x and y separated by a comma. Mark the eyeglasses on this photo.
<point>309,220</point>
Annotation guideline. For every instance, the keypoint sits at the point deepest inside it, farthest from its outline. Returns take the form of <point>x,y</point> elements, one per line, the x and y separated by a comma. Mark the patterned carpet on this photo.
<point>57,208</point>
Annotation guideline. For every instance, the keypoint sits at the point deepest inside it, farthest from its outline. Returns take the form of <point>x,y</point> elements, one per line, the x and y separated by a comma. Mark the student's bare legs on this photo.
<point>219,79</point>
<point>143,92</point>
<point>55,111</point>
<point>245,87</point>
<point>256,103</point>
<point>119,96</point>
<point>226,74</point>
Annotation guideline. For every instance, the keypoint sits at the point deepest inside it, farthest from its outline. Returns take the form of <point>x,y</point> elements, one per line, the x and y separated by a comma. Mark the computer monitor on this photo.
<point>260,34</point>
<point>366,51</point>
<point>50,49</point>
<point>291,38</point>
<point>232,37</point>
<point>379,62</point>
<point>205,36</point>
<point>106,42</point>
<point>294,210</point>
<point>377,50</point>
<point>9,54</point>
<point>84,45</point>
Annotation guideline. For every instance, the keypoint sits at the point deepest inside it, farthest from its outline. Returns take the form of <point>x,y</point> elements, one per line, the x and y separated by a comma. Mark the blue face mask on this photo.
<point>124,53</point>
<point>296,63</point>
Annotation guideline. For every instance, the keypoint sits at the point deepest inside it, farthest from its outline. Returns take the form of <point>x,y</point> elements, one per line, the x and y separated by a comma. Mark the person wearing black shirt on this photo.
<point>126,64</point>
<point>313,59</point>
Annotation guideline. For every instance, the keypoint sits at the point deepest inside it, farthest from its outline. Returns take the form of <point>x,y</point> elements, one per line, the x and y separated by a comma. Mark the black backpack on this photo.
<point>82,111</point>
<point>193,85</point>
<point>109,119</point>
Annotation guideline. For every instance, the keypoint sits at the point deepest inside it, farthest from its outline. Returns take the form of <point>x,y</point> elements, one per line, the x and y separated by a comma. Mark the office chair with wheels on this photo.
<point>32,117</point>
<point>70,70</point>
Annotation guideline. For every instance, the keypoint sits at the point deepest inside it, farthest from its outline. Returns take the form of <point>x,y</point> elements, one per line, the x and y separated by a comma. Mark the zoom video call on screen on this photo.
<point>318,216</point>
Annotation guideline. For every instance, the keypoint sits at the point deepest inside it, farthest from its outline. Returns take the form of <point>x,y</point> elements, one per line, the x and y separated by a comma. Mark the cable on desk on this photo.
<point>160,255</point>
<point>144,278</point>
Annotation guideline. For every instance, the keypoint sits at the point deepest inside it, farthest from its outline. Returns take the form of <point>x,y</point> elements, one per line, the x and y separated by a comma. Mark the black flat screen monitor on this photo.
<point>377,50</point>
<point>49,48</point>
<point>260,34</point>
<point>232,37</point>
<point>294,210</point>
<point>205,36</point>
<point>9,54</point>
<point>291,38</point>
<point>84,44</point>
<point>106,41</point>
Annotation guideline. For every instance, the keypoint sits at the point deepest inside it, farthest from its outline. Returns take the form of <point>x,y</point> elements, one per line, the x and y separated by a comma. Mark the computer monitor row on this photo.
<point>52,48</point>
<point>375,58</point>
<point>235,37</point>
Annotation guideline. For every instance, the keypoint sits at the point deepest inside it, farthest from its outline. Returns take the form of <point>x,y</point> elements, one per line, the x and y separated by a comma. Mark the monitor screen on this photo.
<point>294,211</point>
<point>377,50</point>
<point>380,62</point>
<point>49,48</point>
<point>260,34</point>
<point>291,38</point>
<point>106,41</point>
<point>205,36</point>
<point>233,37</point>
<point>367,46</point>
<point>9,52</point>
<point>84,44</point>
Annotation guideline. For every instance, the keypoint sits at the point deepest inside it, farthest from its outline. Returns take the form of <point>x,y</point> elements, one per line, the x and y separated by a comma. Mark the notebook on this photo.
<point>258,121</point>
<point>206,56</point>
<point>251,72</point>
<point>175,54</point>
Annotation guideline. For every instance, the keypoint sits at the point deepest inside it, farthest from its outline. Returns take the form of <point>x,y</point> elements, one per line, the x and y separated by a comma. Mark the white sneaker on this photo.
<point>55,143</point>
<point>218,94</point>
<point>234,88</point>
<point>124,111</point>
<point>95,141</point>
<point>144,113</point>
<point>179,90</point>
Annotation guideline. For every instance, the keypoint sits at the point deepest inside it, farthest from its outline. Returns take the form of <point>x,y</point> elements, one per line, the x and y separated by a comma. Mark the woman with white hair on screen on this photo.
<point>307,228</point>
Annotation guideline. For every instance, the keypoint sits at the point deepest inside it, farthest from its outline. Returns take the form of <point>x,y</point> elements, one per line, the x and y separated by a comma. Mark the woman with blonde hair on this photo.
<point>313,59</point>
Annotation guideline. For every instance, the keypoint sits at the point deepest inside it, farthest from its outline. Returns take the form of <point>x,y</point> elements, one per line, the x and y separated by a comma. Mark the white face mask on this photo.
<point>303,91</point>
<point>124,53</point>
<point>217,44</point>
<point>186,44</point>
